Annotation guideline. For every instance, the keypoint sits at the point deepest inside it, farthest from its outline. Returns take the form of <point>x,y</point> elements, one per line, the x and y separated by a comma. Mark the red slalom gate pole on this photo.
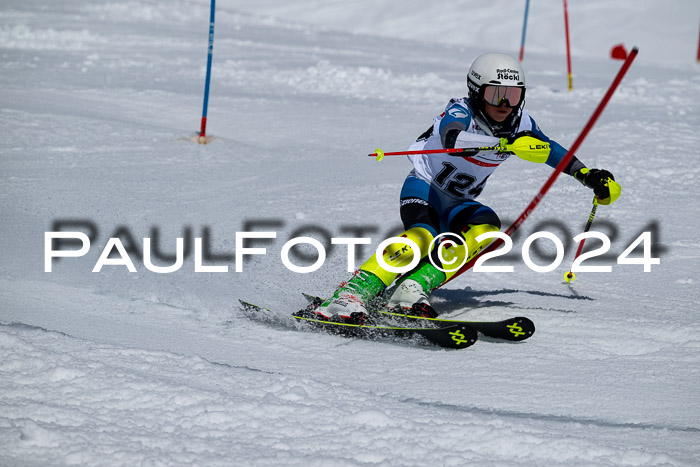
<point>698,58</point>
<point>559,168</point>
<point>568,49</point>
<point>210,50</point>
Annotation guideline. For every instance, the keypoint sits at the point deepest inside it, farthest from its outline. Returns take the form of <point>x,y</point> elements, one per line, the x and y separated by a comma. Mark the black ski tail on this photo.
<point>457,336</point>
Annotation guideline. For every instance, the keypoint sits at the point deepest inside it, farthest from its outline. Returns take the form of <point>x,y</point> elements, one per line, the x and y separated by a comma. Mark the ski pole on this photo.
<point>526,147</point>
<point>379,154</point>
<point>568,49</point>
<point>570,276</point>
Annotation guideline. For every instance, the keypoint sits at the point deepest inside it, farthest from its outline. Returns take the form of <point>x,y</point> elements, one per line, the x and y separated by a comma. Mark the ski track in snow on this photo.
<point>130,403</point>
<point>100,104</point>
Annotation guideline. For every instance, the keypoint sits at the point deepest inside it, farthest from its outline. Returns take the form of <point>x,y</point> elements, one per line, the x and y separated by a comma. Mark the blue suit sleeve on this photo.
<point>557,151</point>
<point>457,118</point>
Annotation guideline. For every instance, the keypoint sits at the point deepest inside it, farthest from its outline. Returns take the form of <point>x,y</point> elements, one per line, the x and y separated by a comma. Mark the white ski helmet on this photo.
<point>496,78</point>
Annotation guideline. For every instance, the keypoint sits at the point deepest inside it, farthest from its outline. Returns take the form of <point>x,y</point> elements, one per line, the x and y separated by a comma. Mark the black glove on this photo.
<point>603,183</point>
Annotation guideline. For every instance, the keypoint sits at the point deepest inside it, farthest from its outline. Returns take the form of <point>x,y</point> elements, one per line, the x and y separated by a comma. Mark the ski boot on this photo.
<point>409,298</point>
<point>346,308</point>
<point>348,303</point>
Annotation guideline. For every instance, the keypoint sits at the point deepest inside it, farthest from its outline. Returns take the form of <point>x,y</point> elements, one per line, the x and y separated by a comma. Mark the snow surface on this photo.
<point>100,106</point>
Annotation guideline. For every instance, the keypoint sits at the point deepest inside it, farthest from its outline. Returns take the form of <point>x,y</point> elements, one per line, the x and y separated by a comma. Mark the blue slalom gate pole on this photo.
<point>522,40</point>
<point>203,128</point>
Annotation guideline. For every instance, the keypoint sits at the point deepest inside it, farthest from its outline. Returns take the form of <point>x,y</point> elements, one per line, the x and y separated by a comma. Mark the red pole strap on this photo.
<point>560,167</point>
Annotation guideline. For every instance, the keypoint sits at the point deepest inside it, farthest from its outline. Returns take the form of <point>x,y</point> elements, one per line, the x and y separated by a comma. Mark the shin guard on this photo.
<point>399,254</point>
<point>449,258</point>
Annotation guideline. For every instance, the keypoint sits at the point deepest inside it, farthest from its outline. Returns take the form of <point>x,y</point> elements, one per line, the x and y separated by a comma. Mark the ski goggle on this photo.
<point>497,95</point>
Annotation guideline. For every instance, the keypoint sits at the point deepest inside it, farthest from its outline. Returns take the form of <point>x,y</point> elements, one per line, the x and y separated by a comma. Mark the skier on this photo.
<point>439,194</point>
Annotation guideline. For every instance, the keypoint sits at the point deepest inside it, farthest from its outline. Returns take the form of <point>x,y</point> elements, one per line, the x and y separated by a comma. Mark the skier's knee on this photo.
<point>475,230</point>
<point>453,255</point>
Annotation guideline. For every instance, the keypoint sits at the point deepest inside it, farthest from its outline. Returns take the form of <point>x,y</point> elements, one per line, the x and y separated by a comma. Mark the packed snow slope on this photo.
<point>100,103</point>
